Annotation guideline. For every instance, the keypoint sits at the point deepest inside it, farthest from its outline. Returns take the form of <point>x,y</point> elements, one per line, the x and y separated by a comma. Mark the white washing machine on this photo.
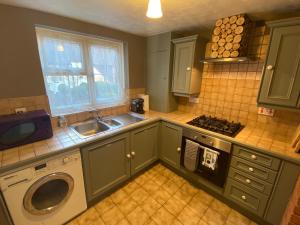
<point>46,192</point>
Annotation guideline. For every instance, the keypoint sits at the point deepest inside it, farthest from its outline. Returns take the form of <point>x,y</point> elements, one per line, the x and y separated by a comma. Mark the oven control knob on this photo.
<point>244,197</point>
<point>248,181</point>
<point>195,137</point>
<point>251,169</point>
<point>253,156</point>
<point>178,149</point>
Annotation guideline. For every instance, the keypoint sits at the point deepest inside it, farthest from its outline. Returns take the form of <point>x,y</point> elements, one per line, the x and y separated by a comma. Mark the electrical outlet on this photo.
<point>20,110</point>
<point>266,111</point>
<point>194,100</point>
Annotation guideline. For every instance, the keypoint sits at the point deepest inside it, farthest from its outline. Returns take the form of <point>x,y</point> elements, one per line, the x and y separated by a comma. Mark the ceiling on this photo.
<point>129,15</point>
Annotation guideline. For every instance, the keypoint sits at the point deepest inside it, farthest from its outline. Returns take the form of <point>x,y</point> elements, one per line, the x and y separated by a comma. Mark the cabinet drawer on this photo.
<point>250,181</point>
<point>253,169</point>
<point>246,197</point>
<point>261,159</point>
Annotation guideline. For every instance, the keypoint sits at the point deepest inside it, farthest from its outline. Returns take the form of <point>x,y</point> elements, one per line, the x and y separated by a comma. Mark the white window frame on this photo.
<point>86,42</point>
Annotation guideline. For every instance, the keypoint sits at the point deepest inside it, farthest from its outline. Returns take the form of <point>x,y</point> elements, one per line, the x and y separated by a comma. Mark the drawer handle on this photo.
<point>248,181</point>
<point>251,169</point>
<point>178,149</point>
<point>244,197</point>
<point>253,157</point>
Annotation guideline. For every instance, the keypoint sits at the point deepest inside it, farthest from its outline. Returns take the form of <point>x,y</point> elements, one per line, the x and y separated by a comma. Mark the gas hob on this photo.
<point>218,125</point>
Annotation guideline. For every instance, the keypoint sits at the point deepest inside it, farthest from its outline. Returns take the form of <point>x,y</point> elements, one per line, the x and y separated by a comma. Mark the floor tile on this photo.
<point>174,206</point>
<point>112,216</point>
<point>127,205</point>
<point>188,216</point>
<point>90,217</point>
<point>237,218</point>
<point>118,196</point>
<point>130,187</point>
<point>160,197</point>
<point>220,207</point>
<point>163,217</point>
<point>150,206</point>
<point>138,216</point>
<point>151,187</point>
<point>104,205</point>
<point>171,187</point>
<point>139,195</point>
<point>204,197</point>
<point>213,218</point>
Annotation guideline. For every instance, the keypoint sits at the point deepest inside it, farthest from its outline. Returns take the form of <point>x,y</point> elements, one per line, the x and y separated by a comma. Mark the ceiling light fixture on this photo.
<point>154,9</point>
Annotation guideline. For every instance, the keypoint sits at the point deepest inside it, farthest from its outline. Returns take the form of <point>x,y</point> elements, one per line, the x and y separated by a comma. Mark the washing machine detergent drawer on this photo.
<point>48,193</point>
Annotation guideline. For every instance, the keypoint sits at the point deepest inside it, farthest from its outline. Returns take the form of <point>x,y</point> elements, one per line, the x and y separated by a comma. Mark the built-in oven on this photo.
<point>206,156</point>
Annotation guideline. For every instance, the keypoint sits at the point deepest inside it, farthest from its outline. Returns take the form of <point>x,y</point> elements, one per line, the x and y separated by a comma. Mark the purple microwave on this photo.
<point>25,128</point>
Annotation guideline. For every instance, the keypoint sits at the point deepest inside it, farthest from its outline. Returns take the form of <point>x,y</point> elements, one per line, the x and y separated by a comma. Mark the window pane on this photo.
<point>61,55</point>
<point>108,74</point>
<point>67,93</point>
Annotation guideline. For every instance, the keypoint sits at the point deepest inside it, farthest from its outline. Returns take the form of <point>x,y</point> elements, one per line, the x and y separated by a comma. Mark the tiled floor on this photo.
<point>160,197</point>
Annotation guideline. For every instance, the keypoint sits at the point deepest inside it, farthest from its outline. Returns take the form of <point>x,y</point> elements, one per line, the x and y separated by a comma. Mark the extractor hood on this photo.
<point>229,42</point>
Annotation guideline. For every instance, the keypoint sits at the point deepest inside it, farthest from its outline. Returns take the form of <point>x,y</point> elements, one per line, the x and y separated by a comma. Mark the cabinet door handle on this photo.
<point>248,181</point>
<point>251,169</point>
<point>244,197</point>
<point>253,157</point>
<point>178,149</point>
<point>188,68</point>
<point>133,153</point>
<point>128,156</point>
<point>270,67</point>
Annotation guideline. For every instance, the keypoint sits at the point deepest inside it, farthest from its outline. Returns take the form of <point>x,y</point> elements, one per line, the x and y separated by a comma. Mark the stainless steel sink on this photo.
<point>92,127</point>
<point>111,122</point>
<point>89,127</point>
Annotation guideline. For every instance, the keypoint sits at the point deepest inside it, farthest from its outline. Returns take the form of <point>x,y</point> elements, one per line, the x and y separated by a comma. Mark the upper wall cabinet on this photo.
<point>187,68</point>
<point>280,86</point>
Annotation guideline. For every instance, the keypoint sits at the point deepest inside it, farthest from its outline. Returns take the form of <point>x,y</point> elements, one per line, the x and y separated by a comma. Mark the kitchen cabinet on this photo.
<point>281,75</point>
<point>159,73</point>
<point>187,68</point>
<point>251,179</point>
<point>170,144</point>
<point>282,192</point>
<point>105,165</point>
<point>144,145</point>
<point>108,163</point>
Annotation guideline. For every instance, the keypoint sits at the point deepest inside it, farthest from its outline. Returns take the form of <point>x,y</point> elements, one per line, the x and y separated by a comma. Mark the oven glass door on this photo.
<point>17,133</point>
<point>214,169</point>
<point>48,193</point>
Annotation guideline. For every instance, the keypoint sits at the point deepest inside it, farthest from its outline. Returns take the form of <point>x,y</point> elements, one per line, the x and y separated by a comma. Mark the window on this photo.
<point>81,72</point>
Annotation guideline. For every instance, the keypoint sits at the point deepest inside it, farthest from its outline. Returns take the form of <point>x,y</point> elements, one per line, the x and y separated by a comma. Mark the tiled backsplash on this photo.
<point>229,90</point>
<point>8,106</point>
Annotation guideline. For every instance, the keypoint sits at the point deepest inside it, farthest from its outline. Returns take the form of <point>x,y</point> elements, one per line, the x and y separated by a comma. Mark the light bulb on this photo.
<point>154,9</point>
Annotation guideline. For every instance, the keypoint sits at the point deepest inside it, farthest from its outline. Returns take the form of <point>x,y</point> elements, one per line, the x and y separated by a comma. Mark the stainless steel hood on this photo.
<point>222,60</point>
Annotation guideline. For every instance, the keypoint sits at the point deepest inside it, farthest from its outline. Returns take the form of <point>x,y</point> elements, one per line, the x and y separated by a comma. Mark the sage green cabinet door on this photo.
<point>281,80</point>
<point>144,147</point>
<point>170,144</point>
<point>105,165</point>
<point>183,63</point>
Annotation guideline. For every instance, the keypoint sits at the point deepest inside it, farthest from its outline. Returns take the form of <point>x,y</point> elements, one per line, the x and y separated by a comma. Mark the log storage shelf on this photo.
<point>230,37</point>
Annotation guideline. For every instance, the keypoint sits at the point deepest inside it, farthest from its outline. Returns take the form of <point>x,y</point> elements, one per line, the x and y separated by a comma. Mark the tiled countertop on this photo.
<point>64,139</point>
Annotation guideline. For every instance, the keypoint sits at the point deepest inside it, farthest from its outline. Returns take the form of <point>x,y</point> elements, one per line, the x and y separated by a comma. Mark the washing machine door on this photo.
<point>48,193</point>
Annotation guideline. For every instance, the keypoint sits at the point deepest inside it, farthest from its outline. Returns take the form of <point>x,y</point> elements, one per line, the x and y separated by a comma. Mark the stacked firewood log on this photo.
<point>230,37</point>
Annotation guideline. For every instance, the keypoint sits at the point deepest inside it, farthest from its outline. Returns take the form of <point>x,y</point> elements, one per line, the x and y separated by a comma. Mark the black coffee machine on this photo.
<point>137,105</point>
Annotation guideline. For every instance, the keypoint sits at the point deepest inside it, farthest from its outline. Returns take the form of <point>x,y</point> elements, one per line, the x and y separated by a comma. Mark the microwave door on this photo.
<point>18,133</point>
